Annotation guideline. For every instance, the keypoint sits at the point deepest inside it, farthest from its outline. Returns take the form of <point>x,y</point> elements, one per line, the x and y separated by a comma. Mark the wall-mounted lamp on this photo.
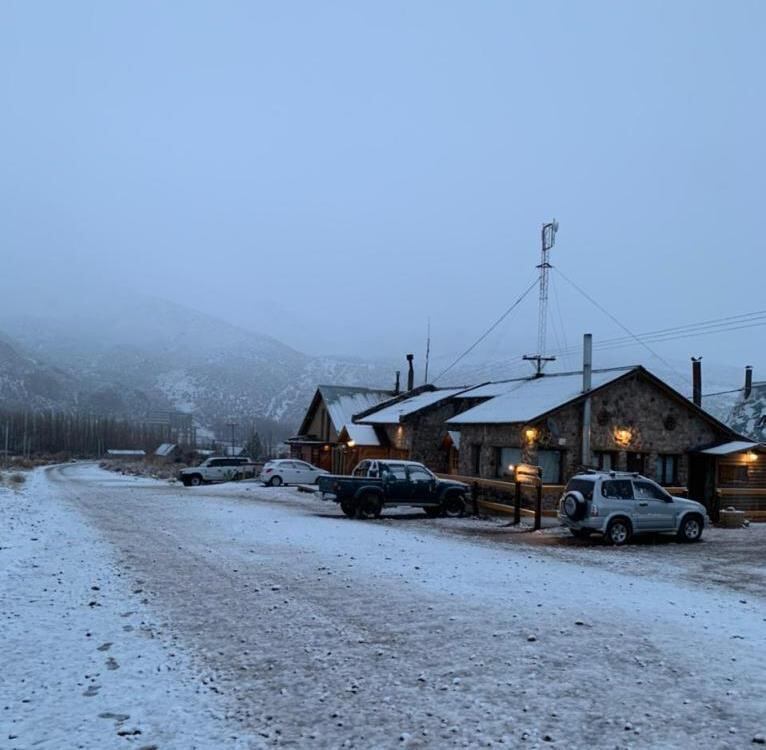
<point>350,443</point>
<point>752,456</point>
<point>531,434</point>
<point>623,436</point>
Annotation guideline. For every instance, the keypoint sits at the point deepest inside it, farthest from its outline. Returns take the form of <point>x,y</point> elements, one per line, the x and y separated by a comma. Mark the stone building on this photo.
<point>638,423</point>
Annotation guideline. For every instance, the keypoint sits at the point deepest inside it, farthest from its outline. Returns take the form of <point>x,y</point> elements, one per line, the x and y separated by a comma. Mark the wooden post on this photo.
<point>539,506</point>
<point>517,503</point>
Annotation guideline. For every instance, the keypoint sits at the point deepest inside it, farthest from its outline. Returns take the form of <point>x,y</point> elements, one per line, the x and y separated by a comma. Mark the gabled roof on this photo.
<point>342,402</point>
<point>363,435</point>
<point>166,449</point>
<point>748,416</point>
<point>396,412</point>
<point>529,398</point>
<point>534,398</point>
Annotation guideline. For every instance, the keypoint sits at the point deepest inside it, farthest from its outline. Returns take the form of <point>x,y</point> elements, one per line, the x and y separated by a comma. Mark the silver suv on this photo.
<point>619,505</point>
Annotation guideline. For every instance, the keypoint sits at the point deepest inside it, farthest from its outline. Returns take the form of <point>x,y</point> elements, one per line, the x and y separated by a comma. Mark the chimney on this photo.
<point>697,381</point>
<point>411,373</point>
<point>748,381</point>
<point>587,372</point>
<point>397,387</point>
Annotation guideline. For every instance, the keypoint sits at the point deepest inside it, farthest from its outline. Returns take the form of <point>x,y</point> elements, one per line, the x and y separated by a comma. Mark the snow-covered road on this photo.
<point>246,617</point>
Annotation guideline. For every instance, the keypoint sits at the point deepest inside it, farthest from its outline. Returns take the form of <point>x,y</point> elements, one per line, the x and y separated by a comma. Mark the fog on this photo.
<point>334,175</point>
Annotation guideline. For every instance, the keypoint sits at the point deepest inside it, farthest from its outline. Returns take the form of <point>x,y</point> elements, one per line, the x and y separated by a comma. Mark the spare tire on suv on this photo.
<point>575,505</point>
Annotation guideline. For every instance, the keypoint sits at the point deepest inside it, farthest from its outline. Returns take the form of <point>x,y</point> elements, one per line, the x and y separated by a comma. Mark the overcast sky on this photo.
<point>335,173</point>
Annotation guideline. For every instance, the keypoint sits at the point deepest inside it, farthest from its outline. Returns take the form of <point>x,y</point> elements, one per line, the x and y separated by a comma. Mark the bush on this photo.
<point>17,478</point>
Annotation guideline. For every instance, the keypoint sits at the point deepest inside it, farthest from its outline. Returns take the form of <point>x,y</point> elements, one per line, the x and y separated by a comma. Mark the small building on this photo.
<point>328,436</point>
<point>125,453</point>
<point>168,452</point>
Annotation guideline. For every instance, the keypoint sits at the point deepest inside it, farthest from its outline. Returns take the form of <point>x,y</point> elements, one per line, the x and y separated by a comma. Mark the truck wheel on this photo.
<point>349,509</point>
<point>454,506</point>
<point>433,512</point>
<point>195,481</point>
<point>370,506</point>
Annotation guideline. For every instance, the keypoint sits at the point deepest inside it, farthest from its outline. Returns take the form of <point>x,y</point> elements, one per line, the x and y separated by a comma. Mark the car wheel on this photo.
<point>618,532</point>
<point>432,512</point>
<point>370,506</point>
<point>195,481</point>
<point>349,509</point>
<point>185,481</point>
<point>275,481</point>
<point>575,505</point>
<point>453,506</point>
<point>690,529</point>
<point>580,533</point>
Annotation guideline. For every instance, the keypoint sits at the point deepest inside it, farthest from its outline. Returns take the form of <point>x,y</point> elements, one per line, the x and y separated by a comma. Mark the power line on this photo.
<point>624,328</point>
<point>489,330</point>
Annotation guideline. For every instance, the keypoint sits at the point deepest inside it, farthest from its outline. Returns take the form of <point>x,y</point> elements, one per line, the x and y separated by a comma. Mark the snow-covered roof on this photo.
<point>165,449</point>
<point>121,452</point>
<point>524,400</point>
<point>490,390</point>
<point>392,414</point>
<point>736,446</point>
<point>748,417</point>
<point>362,434</point>
<point>343,402</point>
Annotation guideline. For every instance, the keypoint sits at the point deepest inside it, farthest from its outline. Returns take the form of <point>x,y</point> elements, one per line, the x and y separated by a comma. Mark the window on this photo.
<point>419,474</point>
<point>506,457</point>
<point>584,486</point>
<point>605,460</point>
<point>394,471</point>
<point>301,465</point>
<point>361,469</point>
<point>216,462</point>
<point>550,462</point>
<point>649,491</point>
<point>666,469</point>
<point>617,489</point>
<point>732,474</point>
<point>476,459</point>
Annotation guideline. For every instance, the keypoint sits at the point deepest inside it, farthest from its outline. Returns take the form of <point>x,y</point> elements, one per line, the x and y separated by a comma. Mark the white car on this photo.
<point>217,469</point>
<point>290,471</point>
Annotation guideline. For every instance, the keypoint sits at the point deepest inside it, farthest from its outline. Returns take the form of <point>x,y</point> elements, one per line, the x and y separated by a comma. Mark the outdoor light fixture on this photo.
<point>752,456</point>
<point>531,434</point>
<point>511,469</point>
<point>350,443</point>
<point>623,436</point>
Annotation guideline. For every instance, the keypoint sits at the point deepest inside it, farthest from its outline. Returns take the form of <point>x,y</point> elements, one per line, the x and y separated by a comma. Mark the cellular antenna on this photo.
<point>548,239</point>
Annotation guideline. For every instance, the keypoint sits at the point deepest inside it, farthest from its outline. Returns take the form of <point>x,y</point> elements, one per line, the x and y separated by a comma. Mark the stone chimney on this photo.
<point>748,381</point>
<point>697,381</point>
<point>410,373</point>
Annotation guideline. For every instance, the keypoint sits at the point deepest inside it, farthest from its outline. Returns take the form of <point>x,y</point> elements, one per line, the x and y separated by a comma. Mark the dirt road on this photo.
<point>305,629</point>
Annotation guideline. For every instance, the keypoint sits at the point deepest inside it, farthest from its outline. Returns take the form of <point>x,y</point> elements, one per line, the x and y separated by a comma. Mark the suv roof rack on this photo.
<point>611,472</point>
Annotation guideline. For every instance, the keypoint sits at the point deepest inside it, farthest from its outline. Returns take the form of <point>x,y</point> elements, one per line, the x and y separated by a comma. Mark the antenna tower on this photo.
<point>548,239</point>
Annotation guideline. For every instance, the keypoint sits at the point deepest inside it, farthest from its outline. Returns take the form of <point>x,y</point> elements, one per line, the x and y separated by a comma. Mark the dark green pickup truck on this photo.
<point>376,483</point>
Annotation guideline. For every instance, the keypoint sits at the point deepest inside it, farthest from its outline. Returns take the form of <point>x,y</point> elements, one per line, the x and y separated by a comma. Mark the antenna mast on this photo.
<point>428,351</point>
<point>548,239</point>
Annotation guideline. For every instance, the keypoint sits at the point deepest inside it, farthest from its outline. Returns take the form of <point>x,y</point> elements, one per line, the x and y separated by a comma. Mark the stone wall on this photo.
<point>653,423</point>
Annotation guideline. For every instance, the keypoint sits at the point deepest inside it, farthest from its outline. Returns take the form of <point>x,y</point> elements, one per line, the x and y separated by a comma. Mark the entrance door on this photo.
<point>636,462</point>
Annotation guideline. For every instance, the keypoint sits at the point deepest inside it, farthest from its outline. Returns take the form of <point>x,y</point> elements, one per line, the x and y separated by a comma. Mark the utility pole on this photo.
<point>548,239</point>
<point>232,425</point>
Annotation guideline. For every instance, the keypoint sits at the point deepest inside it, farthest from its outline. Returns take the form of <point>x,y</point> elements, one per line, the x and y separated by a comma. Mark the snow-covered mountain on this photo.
<point>132,357</point>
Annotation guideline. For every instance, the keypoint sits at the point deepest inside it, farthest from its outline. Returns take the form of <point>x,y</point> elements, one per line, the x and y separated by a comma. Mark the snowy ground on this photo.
<point>238,616</point>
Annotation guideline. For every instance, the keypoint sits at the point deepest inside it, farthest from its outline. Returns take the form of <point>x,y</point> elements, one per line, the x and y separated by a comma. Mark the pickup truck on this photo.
<point>376,483</point>
<point>218,469</point>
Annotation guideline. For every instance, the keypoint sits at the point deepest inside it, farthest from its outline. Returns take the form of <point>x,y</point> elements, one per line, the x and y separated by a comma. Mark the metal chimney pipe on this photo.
<point>748,381</point>
<point>587,380</point>
<point>397,387</point>
<point>411,373</point>
<point>697,381</point>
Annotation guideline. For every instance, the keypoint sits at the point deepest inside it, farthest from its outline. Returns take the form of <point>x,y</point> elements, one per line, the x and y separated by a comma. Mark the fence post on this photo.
<point>539,503</point>
<point>517,503</point>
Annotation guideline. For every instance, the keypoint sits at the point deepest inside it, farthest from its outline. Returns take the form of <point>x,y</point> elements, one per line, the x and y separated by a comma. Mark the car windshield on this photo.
<point>583,486</point>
